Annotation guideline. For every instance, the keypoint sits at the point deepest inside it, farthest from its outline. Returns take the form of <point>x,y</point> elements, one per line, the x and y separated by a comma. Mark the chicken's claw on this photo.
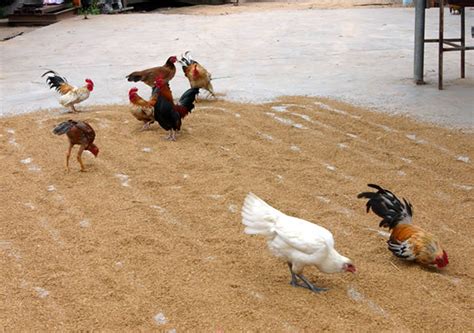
<point>309,285</point>
<point>146,127</point>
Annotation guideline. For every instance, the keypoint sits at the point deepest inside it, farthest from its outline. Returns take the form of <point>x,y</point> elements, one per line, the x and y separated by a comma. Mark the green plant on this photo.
<point>3,4</point>
<point>93,9</point>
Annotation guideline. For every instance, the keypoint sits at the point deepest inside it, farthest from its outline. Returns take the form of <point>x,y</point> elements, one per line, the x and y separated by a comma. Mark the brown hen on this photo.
<point>78,133</point>
<point>148,76</point>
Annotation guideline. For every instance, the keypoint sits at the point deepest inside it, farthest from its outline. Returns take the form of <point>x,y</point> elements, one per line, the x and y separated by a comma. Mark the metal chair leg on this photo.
<point>440,45</point>
<point>463,42</point>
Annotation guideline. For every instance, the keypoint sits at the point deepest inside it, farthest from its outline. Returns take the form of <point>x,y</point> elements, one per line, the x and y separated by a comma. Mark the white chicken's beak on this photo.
<point>350,268</point>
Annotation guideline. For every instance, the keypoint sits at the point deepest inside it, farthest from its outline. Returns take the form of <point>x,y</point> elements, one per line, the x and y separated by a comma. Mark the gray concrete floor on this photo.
<point>363,56</point>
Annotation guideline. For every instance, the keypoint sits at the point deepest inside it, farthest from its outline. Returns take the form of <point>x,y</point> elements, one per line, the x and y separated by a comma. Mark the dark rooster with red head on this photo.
<point>167,113</point>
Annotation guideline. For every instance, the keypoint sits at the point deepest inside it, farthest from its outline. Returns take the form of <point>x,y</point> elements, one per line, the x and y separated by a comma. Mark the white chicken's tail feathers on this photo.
<point>258,216</point>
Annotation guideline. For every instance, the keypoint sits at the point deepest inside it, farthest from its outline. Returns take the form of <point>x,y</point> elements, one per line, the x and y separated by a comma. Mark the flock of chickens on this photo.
<point>160,107</point>
<point>298,242</point>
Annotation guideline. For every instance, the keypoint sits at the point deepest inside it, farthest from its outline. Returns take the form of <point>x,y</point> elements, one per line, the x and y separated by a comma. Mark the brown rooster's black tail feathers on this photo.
<point>64,127</point>
<point>49,72</point>
<point>386,205</point>
<point>187,100</point>
<point>186,60</point>
<point>54,80</point>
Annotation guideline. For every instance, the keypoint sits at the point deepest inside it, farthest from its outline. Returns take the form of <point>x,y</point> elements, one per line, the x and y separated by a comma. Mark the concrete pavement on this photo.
<point>363,56</point>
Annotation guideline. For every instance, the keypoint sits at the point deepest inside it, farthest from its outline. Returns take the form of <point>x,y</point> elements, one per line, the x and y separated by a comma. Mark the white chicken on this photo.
<point>300,243</point>
<point>70,95</point>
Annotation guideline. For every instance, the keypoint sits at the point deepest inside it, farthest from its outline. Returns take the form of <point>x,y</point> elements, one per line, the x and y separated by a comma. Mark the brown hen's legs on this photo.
<point>67,156</point>
<point>79,157</point>
<point>146,125</point>
<point>210,90</point>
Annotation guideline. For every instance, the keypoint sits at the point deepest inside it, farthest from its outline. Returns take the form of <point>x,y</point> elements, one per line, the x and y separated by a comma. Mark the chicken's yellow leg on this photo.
<point>79,158</point>
<point>67,157</point>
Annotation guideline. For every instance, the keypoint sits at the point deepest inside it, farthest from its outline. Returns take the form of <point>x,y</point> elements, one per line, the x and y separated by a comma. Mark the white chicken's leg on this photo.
<point>307,284</point>
<point>294,280</point>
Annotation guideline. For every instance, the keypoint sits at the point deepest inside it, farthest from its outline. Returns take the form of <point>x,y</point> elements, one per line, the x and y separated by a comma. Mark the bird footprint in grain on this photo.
<point>11,139</point>
<point>464,159</point>
<point>295,148</point>
<point>160,319</point>
<point>123,179</point>
<point>34,167</point>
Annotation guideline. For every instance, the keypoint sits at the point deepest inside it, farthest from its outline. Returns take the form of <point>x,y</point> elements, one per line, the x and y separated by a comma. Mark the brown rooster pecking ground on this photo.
<point>78,133</point>
<point>406,241</point>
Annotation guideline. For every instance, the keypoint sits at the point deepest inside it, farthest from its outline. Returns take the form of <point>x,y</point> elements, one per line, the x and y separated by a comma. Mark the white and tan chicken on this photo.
<point>300,243</point>
<point>70,95</point>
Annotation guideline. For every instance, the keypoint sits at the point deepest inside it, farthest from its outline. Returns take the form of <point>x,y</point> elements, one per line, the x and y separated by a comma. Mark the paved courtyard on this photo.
<point>363,56</point>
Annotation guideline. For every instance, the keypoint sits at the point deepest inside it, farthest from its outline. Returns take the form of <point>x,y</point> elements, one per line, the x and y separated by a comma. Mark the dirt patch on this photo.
<point>150,236</point>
